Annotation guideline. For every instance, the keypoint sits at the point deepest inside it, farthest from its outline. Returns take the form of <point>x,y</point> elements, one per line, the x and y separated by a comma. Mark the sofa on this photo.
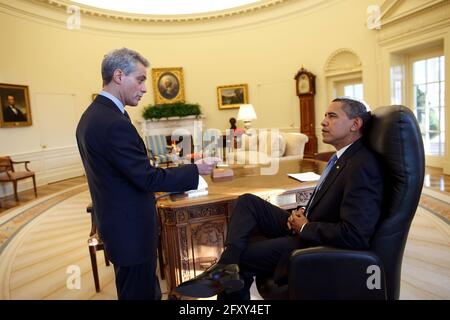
<point>264,146</point>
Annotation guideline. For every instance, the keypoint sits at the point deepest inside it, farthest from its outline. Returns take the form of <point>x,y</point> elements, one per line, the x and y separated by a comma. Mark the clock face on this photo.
<point>303,84</point>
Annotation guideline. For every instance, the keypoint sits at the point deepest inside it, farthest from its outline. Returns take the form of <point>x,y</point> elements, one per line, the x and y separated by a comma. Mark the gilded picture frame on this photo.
<point>168,85</point>
<point>232,96</point>
<point>15,106</point>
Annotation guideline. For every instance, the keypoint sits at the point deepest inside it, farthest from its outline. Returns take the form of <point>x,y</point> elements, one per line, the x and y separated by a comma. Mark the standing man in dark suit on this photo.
<point>342,212</point>
<point>121,180</point>
<point>11,113</point>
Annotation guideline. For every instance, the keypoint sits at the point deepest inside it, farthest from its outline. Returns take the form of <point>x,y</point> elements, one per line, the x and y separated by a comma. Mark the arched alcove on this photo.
<point>343,73</point>
<point>342,61</point>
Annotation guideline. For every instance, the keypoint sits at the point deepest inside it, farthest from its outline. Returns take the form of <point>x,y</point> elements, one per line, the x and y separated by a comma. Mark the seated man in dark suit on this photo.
<point>342,212</point>
<point>11,113</point>
<point>121,180</point>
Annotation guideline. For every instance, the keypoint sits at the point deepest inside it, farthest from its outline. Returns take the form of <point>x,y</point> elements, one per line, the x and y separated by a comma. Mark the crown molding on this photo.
<point>147,18</point>
<point>434,16</point>
<point>420,9</point>
<point>54,13</point>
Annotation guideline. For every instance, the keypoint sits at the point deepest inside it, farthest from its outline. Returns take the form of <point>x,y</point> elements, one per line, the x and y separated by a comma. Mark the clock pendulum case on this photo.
<point>305,87</point>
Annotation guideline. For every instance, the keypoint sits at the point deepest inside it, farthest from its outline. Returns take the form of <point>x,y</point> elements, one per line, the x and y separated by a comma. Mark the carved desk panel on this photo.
<point>193,230</point>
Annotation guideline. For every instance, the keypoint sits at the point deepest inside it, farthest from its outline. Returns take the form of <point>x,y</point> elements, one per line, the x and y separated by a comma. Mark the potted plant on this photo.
<point>171,110</point>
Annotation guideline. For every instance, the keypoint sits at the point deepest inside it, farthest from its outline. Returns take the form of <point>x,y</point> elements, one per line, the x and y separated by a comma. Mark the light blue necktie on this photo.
<point>327,170</point>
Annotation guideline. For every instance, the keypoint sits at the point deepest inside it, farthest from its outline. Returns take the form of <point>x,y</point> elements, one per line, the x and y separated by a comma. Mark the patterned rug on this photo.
<point>436,202</point>
<point>43,244</point>
<point>13,221</point>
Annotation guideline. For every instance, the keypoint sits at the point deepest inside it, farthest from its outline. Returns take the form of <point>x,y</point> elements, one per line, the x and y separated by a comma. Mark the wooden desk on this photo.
<point>193,230</point>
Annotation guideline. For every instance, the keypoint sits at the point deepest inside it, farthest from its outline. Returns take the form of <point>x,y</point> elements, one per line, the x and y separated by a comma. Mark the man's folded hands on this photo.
<point>297,220</point>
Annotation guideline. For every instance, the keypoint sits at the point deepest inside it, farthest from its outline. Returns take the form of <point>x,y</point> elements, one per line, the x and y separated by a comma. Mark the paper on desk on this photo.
<point>202,189</point>
<point>305,176</point>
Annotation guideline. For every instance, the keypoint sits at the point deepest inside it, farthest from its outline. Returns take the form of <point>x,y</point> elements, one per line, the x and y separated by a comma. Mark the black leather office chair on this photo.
<point>331,273</point>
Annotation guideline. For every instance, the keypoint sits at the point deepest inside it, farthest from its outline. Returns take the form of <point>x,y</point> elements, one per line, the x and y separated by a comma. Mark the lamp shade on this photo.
<point>246,112</point>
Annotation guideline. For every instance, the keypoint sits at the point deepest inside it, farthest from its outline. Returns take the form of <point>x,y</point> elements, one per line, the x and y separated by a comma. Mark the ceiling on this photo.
<point>166,7</point>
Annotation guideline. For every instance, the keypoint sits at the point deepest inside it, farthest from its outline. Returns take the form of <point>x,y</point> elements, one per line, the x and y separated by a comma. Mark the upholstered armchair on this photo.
<point>332,273</point>
<point>158,149</point>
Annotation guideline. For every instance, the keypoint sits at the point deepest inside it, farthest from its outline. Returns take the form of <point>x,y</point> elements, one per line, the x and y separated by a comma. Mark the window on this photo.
<point>354,91</point>
<point>397,83</point>
<point>352,88</point>
<point>429,102</point>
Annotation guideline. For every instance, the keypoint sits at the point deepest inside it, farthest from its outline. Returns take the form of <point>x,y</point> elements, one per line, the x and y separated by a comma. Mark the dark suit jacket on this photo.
<point>122,181</point>
<point>10,116</point>
<point>346,209</point>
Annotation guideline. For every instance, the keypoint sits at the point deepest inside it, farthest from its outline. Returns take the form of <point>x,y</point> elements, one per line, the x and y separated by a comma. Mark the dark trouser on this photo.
<point>260,257</point>
<point>138,282</point>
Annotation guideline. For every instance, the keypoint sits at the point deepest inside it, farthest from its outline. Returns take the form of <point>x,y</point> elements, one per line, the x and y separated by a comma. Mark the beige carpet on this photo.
<point>42,260</point>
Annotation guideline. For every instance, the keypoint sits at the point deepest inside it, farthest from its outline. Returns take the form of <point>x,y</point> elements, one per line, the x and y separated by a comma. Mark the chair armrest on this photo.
<point>330,273</point>
<point>151,157</point>
<point>25,162</point>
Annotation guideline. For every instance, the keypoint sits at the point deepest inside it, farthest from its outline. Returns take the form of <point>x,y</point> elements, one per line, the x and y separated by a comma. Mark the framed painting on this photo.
<point>168,85</point>
<point>15,106</point>
<point>232,96</point>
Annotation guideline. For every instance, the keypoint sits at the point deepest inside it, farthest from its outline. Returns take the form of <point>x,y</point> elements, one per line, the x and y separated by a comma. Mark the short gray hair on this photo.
<point>124,59</point>
<point>355,108</point>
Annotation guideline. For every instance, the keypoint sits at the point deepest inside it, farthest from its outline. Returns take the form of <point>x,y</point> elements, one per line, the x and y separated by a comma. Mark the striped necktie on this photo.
<point>327,170</point>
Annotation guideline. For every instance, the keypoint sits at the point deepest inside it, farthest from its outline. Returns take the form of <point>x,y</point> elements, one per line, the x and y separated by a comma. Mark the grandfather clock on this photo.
<point>306,89</point>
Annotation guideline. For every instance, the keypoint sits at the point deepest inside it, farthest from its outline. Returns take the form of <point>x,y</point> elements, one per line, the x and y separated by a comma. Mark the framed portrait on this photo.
<point>232,96</point>
<point>15,106</point>
<point>168,85</point>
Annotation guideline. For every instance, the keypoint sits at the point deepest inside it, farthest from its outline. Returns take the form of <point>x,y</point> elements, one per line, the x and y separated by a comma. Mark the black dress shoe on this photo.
<point>212,281</point>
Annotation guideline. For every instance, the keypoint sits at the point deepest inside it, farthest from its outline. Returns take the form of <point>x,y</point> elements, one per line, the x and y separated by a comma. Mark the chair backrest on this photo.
<point>6,164</point>
<point>295,143</point>
<point>394,135</point>
<point>157,144</point>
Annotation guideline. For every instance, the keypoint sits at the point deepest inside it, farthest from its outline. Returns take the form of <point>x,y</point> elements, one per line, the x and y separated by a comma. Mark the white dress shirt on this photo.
<point>116,101</point>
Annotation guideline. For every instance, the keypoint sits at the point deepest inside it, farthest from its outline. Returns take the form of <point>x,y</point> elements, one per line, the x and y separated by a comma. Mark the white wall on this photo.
<point>52,59</point>
<point>264,49</point>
